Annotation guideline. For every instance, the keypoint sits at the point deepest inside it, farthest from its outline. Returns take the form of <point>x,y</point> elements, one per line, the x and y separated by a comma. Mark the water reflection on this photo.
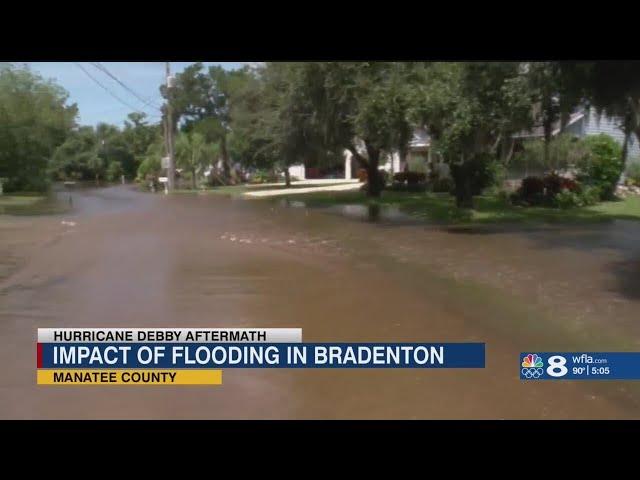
<point>374,212</point>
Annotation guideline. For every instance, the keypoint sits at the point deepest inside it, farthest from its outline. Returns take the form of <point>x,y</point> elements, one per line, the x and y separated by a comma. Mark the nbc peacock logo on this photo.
<point>532,366</point>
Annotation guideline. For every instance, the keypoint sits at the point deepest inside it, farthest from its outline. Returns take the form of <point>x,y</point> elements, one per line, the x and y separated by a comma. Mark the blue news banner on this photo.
<point>580,366</point>
<point>262,355</point>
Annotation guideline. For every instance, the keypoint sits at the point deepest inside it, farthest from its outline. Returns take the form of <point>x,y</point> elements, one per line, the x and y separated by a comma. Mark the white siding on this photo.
<point>297,171</point>
<point>609,125</point>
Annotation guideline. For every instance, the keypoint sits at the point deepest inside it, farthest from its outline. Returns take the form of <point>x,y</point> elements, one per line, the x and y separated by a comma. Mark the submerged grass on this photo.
<point>31,204</point>
<point>441,208</point>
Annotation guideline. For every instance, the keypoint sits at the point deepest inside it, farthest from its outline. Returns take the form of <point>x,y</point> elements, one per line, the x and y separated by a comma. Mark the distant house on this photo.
<point>417,156</point>
<point>584,122</point>
<point>581,123</point>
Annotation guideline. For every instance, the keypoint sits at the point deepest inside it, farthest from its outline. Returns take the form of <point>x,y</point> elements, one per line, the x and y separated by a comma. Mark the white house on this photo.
<point>583,122</point>
<point>418,155</point>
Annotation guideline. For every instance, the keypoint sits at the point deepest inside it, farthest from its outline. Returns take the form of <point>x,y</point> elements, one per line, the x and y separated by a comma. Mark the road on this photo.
<point>128,259</point>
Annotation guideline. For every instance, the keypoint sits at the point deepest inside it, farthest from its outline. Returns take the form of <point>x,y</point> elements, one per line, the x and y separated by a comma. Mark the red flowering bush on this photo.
<point>554,184</point>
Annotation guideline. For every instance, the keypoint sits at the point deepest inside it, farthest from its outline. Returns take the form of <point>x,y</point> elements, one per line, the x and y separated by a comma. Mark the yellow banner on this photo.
<point>129,377</point>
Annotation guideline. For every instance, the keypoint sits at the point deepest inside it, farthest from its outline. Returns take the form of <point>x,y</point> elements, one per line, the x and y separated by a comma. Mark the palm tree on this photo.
<point>193,153</point>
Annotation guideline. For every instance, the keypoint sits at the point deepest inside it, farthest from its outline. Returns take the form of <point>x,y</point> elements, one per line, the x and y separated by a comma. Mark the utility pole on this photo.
<point>171,170</point>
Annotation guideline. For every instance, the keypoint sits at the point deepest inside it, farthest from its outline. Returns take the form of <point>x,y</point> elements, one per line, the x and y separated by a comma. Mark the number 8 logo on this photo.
<point>556,366</point>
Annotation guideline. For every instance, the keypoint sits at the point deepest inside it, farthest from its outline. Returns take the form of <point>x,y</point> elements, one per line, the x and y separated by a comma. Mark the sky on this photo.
<point>95,104</point>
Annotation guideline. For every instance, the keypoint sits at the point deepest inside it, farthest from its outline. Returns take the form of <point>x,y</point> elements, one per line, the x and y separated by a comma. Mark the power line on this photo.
<point>131,107</point>
<point>106,89</point>
<point>104,69</point>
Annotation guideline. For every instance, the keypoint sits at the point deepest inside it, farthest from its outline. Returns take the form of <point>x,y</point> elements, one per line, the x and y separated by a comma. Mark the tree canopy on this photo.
<point>34,120</point>
<point>283,113</point>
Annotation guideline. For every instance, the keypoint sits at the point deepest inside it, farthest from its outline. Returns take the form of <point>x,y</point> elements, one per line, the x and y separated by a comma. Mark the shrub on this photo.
<point>26,184</point>
<point>554,184</point>
<point>480,170</point>
<point>554,190</point>
<point>404,187</point>
<point>414,178</point>
<point>443,185</point>
<point>530,187</point>
<point>503,197</point>
<point>411,178</point>
<point>590,195</point>
<point>264,176</point>
<point>114,171</point>
<point>567,199</point>
<point>565,150</point>
<point>602,166</point>
<point>497,175</point>
<point>400,177</point>
<point>150,166</point>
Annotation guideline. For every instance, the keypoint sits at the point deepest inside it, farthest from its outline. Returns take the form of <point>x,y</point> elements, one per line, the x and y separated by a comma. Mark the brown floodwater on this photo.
<point>127,259</point>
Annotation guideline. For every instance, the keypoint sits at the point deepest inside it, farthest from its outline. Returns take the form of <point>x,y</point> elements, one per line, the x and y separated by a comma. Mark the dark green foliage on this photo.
<point>410,178</point>
<point>114,171</point>
<point>443,185</point>
<point>577,198</point>
<point>34,120</point>
<point>603,165</point>
<point>530,188</point>
<point>409,182</point>
<point>475,174</point>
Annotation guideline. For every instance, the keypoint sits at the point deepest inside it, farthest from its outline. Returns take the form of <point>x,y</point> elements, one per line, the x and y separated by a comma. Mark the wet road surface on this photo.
<point>128,259</point>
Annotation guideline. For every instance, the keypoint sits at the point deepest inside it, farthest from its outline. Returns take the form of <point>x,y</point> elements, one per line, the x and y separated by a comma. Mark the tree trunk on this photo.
<point>193,178</point>
<point>287,177</point>
<point>374,180</point>
<point>464,198</point>
<point>225,159</point>
<point>462,181</point>
<point>507,152</point>
<point>547,139</point>
<point>635,116</point>
<point>625,147</point>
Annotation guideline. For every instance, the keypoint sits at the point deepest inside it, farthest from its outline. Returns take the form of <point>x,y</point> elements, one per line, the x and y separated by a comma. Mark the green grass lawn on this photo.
<point>29,204</point>
<point>440,208</point>
<point>20,200</point>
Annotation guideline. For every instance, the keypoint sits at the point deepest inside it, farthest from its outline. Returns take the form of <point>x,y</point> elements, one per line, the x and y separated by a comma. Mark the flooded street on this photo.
<point>128,259</point>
